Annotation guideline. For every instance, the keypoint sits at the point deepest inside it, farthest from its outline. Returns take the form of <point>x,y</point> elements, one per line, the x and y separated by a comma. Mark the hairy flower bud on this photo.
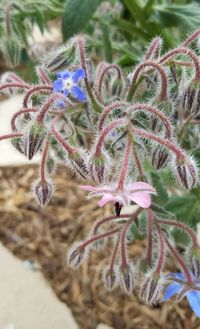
<point>126,278</point>
<point>34,139</point>
<point>160,157</point>
<point>60,59</point>
<point>191,99</point>
<point>110,277</point>
<point>11,49</point>
<point>151,288</point>
<point>43,192</point>
<point>76,255</point>
<point>99,167</point>
<point>78,161</point>
<point>186,172</point>
<point>17,142</point>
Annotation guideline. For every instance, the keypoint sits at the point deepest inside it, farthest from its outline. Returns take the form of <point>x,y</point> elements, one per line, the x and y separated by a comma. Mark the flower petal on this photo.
<point>78,93</point>
<point>66,92</point>
<point>107,197</point>
<point>64,74</point>
<point>171,290</point>
<point>141,186</point>
<point>58,85</point>
<point>193,298</point>
<point>143,199</point>
<point>77,75</point>
<point>87,187</point>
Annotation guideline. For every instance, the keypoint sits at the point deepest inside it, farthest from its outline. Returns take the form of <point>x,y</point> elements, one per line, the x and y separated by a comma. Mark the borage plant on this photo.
<point>107,129</point>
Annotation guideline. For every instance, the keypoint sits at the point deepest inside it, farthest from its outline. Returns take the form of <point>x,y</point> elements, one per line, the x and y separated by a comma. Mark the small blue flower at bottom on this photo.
<point>193,296</point>
<point>67,83</point>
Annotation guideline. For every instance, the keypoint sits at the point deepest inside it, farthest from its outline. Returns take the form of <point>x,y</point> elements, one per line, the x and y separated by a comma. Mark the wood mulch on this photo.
<point>43,237</point>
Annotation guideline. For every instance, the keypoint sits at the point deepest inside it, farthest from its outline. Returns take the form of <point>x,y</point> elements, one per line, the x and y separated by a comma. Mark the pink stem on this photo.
<point>43,163</point>
<point>157,113</point>
<point>44,77</point>
<point>191,38</point>
<point>61,140</point>
<point>34,90</point>
<point>107,110</point>
<point>165,142</point>
<point>14,85</point>
<point>164,80</point>
<point>107,219</point>
<point>154,46</point>
<point>124,167</point>
<point>182,226</point>
<point>150,222</point>
<point>179,260</point>
<point>138,162</point>
<point>98,237</point>
<point>10,136</point>
<point>114,255</point>
<point>188,52</point>
<point>105,70</point>
<point>161,249</point>
<point>105,132</point>
<point>15,116</point>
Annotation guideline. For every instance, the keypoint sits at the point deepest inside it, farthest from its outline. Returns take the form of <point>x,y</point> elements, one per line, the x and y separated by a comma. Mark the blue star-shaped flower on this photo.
<point>193,296</point>
<point>67,83</point>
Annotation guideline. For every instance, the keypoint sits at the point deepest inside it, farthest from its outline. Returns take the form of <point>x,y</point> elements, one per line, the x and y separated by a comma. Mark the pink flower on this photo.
<point>138,192</point>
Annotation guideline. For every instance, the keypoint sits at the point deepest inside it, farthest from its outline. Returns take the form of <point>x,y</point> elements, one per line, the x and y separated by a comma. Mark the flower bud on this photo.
<point>11,49</point>
<point>76,255</point>
<point>191,99</point>
<point>186,172</point>
<point>18,144</point>
<point>99,167</point>
<point>126,278</point>
<point>43,192</point>
<point>60,59</point>
<point>110,277</point>
<point>34,139</point>
<point>160,157</point>
<point>151,288</point>
<point>78,161</point>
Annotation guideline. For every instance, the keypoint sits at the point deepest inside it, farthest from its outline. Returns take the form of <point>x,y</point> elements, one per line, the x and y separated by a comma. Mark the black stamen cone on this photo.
<point>118,208</point>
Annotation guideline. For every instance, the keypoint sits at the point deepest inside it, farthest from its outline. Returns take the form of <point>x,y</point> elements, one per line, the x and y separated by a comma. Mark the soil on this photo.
<point>43,236</point>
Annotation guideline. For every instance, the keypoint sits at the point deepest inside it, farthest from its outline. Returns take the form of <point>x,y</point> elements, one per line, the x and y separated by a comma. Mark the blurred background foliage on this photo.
<point>118,31</point>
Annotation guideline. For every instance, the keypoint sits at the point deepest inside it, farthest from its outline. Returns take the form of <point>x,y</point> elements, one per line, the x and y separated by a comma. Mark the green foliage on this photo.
<point>76,15</point>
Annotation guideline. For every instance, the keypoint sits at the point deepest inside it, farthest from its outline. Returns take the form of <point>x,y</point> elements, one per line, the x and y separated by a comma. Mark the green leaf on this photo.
<point>161,212</point>
<point>185,16</point>
<point>77,14</point>
<point>161,197</point>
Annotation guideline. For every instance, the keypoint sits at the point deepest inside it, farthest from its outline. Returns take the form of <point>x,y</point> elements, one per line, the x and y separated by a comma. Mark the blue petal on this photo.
<point>64,74</point>
<point>66,92</point>
<point>58,85</point>
<point>60,104</point>
<point>194,301</point>
<point>171,290</point>
<point>79,94</point>
<point>79,74</point>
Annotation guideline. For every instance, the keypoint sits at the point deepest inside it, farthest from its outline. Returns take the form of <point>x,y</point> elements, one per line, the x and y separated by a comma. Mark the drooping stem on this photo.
<point>179,260</point>
<point>18,113</point>
<point>98,237</point>
<point>183,227</point>
<point>103,73</point>
<point>150,223</point>
<point>114,255</point>
<point>163,96</point>
<point>2,137</point>
<point>165,142</point>
<point>14,85</point>
<point>125,162</point>
<point>161,257</point>
<point>191,38</point>
<point>153,48</point>
<point>156,112</point>
<point>43,162</point>
<point>35,90</point>
<point>124,260</point>
<point>137,161</point>
<point>115,124</point>
<point>108,109</point>
<point>44,77</point>
<point>61,140</point>
<point>107,219</point>
<point>170,54</point>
